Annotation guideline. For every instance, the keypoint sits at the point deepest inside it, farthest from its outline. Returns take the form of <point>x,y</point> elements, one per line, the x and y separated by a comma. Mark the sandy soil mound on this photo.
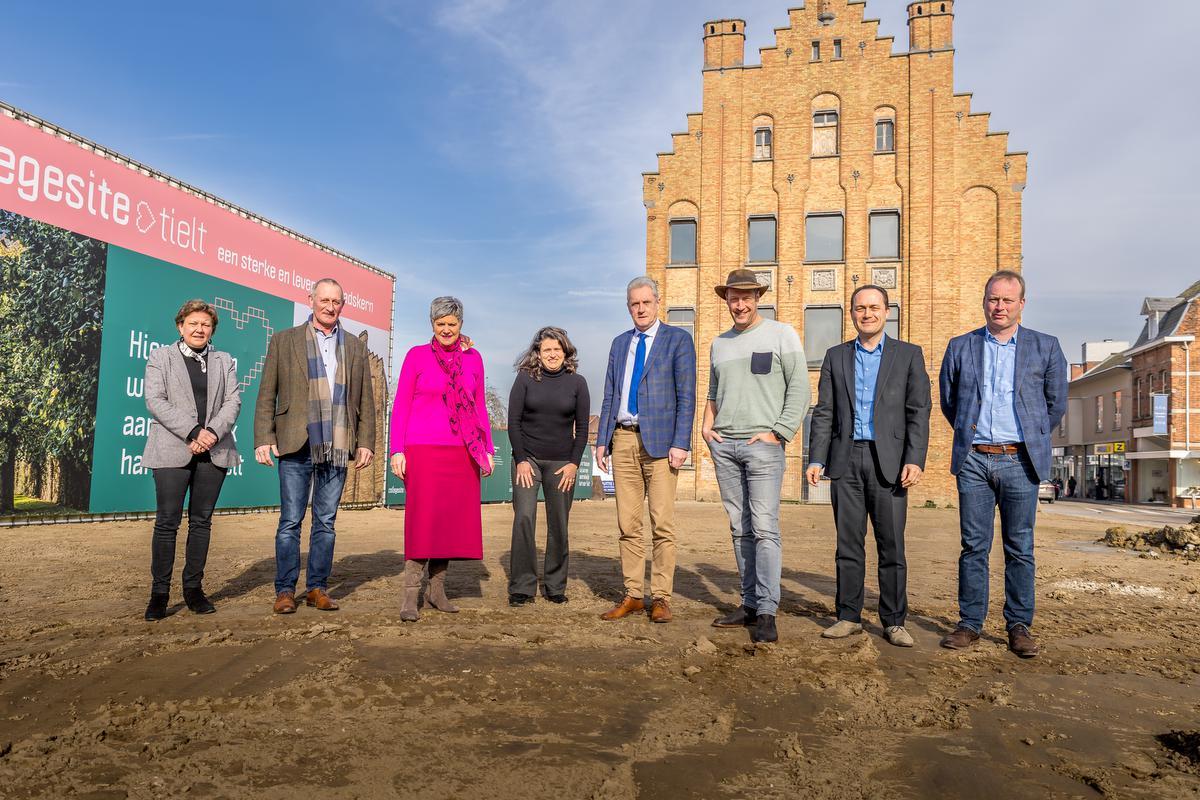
<point>1183,540</point>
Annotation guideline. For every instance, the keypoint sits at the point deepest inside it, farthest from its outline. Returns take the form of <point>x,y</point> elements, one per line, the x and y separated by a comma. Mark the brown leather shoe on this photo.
<point>1021,642</point>
<point>627,606</point>
<point>960,639</point>
<point>660,610</point>
<point>285,603</point>
<point>320,599</point>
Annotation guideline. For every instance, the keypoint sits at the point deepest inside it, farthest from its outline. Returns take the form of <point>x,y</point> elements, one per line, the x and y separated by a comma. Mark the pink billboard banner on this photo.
<point>58,181</point>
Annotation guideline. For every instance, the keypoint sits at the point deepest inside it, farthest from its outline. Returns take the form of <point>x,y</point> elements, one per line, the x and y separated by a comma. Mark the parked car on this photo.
<point>1047,491</point>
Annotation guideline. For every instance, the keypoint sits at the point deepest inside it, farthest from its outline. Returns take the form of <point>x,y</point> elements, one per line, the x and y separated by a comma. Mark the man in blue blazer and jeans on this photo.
<point>1003,389</point>
<point>644,438</point>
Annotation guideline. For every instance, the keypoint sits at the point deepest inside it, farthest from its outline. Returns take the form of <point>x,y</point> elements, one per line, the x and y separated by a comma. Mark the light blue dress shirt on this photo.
<point>866,373</point>
<point>327,344</point>
<point>998,423</point>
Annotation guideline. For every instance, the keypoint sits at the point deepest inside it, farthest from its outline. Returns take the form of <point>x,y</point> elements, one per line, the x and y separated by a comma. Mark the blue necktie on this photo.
<point>639,365</point>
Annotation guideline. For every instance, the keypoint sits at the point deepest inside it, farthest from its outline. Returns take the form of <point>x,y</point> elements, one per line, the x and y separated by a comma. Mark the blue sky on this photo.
<point>493,149</point>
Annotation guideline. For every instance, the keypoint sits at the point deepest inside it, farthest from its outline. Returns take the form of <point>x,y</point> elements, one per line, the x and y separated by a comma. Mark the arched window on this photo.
<point>885,130</point>
<point>763,138</point>
<point>885,136</point>
<point>825,133</point>
<point>825,108</point>
<point>762,144</point>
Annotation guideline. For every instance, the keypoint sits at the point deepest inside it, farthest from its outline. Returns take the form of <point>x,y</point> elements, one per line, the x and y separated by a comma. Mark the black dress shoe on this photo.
<point>158,607</point>
<point>197,603</point>
<point>518,599</point>
<point>557,598</point>
<point>741,617</point>
<point>764,629</point>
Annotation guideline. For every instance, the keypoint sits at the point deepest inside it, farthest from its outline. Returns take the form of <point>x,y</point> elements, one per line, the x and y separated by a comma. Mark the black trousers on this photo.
<point>861,493</point>
<point>522,577</point>
<point>201,481</point>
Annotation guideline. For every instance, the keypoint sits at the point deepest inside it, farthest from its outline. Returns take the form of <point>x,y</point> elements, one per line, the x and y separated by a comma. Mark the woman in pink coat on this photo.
<point>441,442</point>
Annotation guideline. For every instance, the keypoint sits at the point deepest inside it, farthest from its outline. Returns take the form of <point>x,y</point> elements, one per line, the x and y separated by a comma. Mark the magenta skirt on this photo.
<point>442,517</point>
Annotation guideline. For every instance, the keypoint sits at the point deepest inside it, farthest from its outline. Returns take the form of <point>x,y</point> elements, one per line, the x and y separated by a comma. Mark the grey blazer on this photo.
<point>172,404</point>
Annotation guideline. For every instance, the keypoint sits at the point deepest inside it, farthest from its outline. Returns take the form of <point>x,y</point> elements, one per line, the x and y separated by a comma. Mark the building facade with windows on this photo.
<point>1165,366</point>
<point>833,163</point>
<point>1092,442</point>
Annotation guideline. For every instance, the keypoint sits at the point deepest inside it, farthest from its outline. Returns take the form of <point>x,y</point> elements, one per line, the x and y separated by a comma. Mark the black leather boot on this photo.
<point>764,629</point>
<point>158,607</point>
<point>741,617</point>
<point>197,603</point>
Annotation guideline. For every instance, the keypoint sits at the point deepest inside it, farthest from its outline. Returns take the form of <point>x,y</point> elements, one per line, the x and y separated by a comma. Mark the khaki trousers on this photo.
<point>638,476</point>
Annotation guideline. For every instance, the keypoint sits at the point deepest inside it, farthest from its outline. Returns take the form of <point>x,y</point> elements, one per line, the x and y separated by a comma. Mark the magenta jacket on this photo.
<point>419,414</point>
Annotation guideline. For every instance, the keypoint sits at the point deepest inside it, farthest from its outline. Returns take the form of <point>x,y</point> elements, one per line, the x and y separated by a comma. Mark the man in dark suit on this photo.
<point>870,433</point>
<point>1003,389</point>
<point>316,414</point>
<point>645,435</point>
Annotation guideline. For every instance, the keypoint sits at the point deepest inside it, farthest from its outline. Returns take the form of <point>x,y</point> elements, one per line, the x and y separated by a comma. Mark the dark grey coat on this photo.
<point>900,415</point>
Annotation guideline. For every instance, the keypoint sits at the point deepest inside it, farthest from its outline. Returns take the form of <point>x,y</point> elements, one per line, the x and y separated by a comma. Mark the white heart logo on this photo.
<point>255,318</point>
<point>145,217</point>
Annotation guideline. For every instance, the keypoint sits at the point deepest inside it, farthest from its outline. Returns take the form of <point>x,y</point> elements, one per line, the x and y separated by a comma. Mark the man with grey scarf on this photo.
<point>314,405</point>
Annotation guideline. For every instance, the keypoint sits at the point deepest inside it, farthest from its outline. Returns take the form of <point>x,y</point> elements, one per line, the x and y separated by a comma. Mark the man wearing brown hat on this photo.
<point>758,394</point>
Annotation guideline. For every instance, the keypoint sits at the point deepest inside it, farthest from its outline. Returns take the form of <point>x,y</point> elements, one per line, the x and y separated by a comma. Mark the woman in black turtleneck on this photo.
<point>548,428</point>
<point>193,394</point>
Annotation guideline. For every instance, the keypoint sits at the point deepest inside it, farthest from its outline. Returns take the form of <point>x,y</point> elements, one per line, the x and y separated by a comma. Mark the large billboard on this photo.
<point>97,253</point>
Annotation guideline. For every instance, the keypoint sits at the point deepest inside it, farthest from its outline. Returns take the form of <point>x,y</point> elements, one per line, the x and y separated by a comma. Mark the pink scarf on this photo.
<point>460,405</point>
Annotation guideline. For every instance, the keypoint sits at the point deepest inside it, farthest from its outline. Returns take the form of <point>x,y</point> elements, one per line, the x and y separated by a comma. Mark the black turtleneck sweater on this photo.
<point>548,419</point>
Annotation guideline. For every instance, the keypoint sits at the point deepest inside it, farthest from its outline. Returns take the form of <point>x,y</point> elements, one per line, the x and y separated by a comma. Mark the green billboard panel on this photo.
<point>142,295</point>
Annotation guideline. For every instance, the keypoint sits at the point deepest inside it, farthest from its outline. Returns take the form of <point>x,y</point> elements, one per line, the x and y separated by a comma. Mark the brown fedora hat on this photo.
<point>740,279</point>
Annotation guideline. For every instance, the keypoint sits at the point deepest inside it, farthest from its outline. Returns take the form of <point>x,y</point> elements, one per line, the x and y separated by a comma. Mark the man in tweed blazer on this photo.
<point>645,435</point>
<point>282,424</point>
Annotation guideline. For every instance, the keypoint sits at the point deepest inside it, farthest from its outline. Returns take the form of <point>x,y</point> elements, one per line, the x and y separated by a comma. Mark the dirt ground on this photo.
<point>548,701</point>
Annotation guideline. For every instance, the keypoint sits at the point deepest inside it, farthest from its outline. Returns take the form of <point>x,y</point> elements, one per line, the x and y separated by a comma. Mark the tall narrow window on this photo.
<point>823,237</point>
<point>822,330</point>
<point>1116,411</point>
<point>825,133</point>
<point>684,318</point>
<point>885,234</point>
<point>683,241</point>
<point>1099,413</point>
<point>762,144</point>
<point>1137,397</point>
<point>762,240</point>
<point>816,51</point>
<point>892,326</point>
<point>885,136</point>
<point>1165,388</point>
<point>837,49</point>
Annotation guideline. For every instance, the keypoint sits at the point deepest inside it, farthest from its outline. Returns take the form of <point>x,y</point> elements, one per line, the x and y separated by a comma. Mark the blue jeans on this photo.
<point>300,479</point>
<point>984,482</point>
<point>750,477</point>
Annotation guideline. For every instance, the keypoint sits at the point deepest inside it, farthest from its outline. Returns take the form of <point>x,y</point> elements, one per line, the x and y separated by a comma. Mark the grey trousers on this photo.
<point>523,555</point>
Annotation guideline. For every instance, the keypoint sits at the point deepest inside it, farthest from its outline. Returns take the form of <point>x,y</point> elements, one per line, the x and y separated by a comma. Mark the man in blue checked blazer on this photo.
<point>1003,389</point>
<point>644,438</point>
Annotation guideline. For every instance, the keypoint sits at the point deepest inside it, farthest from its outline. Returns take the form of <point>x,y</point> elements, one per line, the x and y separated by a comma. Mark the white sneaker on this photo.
<point>898,636</point>
<point>842,629</point>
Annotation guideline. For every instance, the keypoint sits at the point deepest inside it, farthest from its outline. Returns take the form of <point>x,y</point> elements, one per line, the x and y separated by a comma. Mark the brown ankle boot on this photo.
<point>436,596</point>
<point>412,590</point>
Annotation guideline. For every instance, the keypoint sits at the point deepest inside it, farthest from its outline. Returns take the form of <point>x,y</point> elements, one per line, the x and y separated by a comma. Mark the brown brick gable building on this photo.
<point>834,162</point>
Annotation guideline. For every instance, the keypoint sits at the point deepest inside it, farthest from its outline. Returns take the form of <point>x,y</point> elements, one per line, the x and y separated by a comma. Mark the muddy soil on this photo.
<point>548,701</point>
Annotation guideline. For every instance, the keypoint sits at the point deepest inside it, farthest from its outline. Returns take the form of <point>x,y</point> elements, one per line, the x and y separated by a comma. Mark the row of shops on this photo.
<point>1094,471</point>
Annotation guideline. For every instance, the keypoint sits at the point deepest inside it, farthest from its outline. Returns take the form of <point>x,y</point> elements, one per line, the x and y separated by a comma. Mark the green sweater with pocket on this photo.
<point>759,380</point>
